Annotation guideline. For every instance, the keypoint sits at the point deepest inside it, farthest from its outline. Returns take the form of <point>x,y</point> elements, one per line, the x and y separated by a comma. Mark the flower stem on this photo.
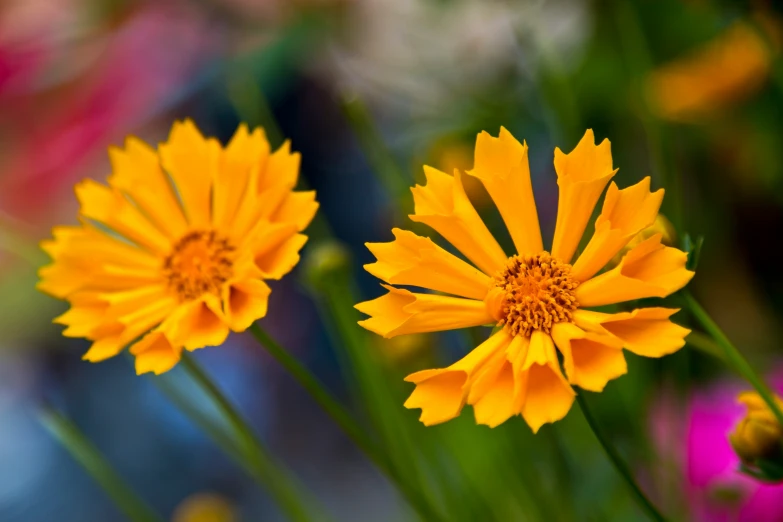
<point>618,463</point>
<point>340,416</point>
<point>324,399</point>
<point>86,454</point>
<point>265,470</point>
<point>733,356</point>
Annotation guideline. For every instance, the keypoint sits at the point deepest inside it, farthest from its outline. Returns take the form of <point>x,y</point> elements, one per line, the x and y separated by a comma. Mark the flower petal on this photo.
<point>502,166</point>
<point>645,331</point>
<point>443,205</point>
<point>417,261</point>
<point>650,269</point>
<point>441,393</point>
<point>625,213</point>
<point>111,208</point>
<point>192,161</point>
<point>154,353</point>
<point>590,360</point>
<point>196,324</point>
<point>581,175</point>
<point>298,208</point>
<point>402,312</point>
<point>244,302</point>
<point>276,260</point>
<point>136,171</point>
<point>125,321</point>
<point>497,404</point>
<point>245,155</point>
<point>548,396</point>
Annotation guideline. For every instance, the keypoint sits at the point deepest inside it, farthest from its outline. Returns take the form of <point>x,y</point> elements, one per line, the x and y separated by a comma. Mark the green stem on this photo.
<point>265,470</point>
<point>378,156</point>
<point>733,356</point>
<point>340,416</point>
<point>211,428</point>
<point>324,399</point>
<point>86,454</point>
<point>618,463</point>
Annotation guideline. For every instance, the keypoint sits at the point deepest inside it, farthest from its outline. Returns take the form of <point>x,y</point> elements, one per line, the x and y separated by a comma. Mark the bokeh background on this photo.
<point>689,92</point>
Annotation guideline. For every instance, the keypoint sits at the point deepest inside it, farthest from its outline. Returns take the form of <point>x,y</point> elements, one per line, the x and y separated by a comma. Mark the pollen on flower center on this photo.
<point>199,263</point>
<point>533,293</point>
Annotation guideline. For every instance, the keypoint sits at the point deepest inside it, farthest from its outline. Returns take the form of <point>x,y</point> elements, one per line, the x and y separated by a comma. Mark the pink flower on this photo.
<point>716,490</point>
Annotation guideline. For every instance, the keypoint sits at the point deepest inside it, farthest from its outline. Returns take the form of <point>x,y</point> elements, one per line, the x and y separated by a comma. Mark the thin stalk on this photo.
<point>382,164</point>
<point>620,465</point>
<point>86,454</point>
<point>211,428</point>
<point>340,416</point>
<point>733,356</point>
<point>274,479</point>
<point>324,399</point>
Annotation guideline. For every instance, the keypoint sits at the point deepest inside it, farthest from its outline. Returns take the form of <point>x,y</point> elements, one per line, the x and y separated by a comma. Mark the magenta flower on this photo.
<point>716,490</point>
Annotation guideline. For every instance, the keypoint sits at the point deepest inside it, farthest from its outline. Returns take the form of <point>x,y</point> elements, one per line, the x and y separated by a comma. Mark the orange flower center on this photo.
<point>199,263</point>
<point>533,293</point>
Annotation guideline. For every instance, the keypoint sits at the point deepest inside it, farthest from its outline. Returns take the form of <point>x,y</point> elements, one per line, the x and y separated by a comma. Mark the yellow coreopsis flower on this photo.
<point>538,296</point>
<point>175,250</point>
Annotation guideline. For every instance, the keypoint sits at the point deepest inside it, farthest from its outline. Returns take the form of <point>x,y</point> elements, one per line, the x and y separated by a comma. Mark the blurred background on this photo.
<point>689,92</point>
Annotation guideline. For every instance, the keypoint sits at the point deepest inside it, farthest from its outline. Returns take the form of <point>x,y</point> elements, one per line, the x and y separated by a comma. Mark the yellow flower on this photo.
<point>175,250</point>
<point>537,296</point>
<point>758,435</point>
<point>725,71</point>
<point>205,507</point>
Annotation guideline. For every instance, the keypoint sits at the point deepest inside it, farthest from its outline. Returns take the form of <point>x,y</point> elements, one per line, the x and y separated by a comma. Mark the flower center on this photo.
<point>199,263</point>
<point>533,293</point>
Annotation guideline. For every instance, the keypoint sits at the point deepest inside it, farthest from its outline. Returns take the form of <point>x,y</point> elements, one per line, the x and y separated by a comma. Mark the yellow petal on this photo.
<point>625,213</point>
<point>581,176</point>
<point>110,207</point>
<point>496,405</point>
<point>121,326</point>
<point>441,393</point>
<point>85,259</point>
<point>136,171</point>
<point>402,312</point>
<point>417,261</point>
<point>105,347</point>
<point>298,208</point>
<point>590,360</point>
<point>443,205</point>
<point>276,260</point>
<point>245,301</point>
<point>438,393</point>
<point>245,154</point>
<point>192,162</point>
<point>645,331</point>
<point>155,354</point>
<point>548,396</point>
<point>650,269</point>
<point>278,179</point>
<point>502,166</point>
<point>86,313</point>
<point>517,355</point>
<point>196,324</point>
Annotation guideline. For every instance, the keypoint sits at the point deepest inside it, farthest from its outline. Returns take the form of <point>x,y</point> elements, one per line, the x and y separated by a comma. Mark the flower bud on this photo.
<point>326,261</point>
<point>759,435</point>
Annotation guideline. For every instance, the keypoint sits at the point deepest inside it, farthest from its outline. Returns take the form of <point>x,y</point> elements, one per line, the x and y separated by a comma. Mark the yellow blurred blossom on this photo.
<point>758,435</point>
<point>205,507</point>
<point>175,251</point>
<point>722,72</point>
